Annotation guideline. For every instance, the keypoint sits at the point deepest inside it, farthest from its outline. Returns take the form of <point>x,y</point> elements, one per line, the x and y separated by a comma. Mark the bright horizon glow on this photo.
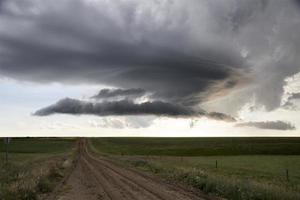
<point>21,99</point>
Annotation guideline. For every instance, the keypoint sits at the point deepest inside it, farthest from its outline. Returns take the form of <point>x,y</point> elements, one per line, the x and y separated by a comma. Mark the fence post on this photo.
<point>6,141</point>
<point>216,164</point>
<point>6,152</point>
<point>287,175</point>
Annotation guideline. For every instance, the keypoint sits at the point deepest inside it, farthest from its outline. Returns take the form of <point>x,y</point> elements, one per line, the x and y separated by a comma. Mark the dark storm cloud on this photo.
<point>123,107</point>
<point>274,125</point>
<point>115,93</point>
<point>181,52</point>
<point>289,104</point>
<point>127,107</point>
<point>1,4</point>
<point>273,42</point>
<point>297,2</point>
<point>221,116</point>
<point>268,35</point>
<point>116,45</point>
<point>294,96</point>
<point>169,74</point>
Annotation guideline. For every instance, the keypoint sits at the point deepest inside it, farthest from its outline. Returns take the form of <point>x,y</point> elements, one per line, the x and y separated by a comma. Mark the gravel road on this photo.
<point>96,179</point>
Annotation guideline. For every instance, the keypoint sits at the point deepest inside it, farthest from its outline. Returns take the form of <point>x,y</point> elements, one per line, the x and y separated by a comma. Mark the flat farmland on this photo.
<point>234,168</point>
<point>34,166</point>
<point>198,146</point>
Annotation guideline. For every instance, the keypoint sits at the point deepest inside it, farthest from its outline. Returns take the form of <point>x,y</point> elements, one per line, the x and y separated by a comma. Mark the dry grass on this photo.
<point>30,182</point>
<point>248,168</point>
<point>220,184</point>
<point>34,168</point>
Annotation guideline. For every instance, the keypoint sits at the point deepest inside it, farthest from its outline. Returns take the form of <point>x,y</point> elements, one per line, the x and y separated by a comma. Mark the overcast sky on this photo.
<point>150,68</point>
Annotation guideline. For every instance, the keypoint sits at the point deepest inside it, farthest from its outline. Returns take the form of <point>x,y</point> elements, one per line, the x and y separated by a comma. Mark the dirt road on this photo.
<point>95,179</point>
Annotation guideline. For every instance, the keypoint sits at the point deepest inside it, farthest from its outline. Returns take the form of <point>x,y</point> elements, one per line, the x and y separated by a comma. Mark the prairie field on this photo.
<point>233,168</point>
<point>198,146</point>
<point>230,168</point>
<point>34,166</point>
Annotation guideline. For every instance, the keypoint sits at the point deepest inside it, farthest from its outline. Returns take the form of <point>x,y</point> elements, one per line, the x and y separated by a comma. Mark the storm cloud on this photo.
<point>117,93</point>
<point>184,53</point>
<point>294,96</point>
<point>273,125</point>
<point>122,44</point>
<point>125,108</point>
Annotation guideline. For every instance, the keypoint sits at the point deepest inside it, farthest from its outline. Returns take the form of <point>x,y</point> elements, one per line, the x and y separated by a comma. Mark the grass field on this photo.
<point>39,145</point>
<point>247,168</point>
<point>34,166</point>
<point>198,146</point>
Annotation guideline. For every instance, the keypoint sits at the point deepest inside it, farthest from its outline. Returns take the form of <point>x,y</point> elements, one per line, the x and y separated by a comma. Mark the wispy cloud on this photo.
<point>273,125</point>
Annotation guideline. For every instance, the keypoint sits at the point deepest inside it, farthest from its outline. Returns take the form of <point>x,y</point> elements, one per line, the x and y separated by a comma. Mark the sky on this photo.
<point>149,68</point>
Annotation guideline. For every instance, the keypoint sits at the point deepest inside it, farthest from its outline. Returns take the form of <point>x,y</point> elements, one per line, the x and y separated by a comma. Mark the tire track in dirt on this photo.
<point>99,179</point>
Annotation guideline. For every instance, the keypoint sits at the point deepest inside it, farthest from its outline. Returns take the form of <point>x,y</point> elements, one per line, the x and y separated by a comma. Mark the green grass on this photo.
<point>198,146</point>
<point>256,167</point>
<point>34,166</point>
<point>247,168</point>
<point>25,151</point>
<point>236,177</point>
<point>38,145</point>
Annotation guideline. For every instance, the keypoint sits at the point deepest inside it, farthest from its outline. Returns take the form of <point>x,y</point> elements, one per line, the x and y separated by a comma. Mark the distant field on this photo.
<point>235,168</point>
<point>25,150</point>
<point>251,157</point>
<point>38,145</point>
<point>198,146</point>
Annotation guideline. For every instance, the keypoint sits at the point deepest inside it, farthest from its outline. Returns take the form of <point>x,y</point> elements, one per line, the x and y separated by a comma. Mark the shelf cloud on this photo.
<point>121,44</point>
<point>126,107</point>
<point>122,107</point>
<point>183,53</point>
